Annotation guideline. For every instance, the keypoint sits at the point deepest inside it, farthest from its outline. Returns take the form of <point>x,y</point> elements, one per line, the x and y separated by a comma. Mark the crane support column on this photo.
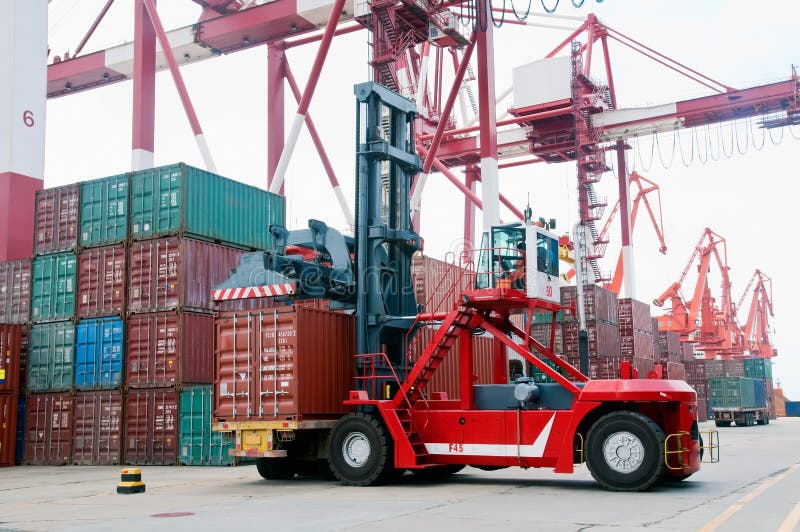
<point>276,71</point>
<point>490,188</point>
<point>23,93</point>
<point>144,88</point>
<point>629,285</point>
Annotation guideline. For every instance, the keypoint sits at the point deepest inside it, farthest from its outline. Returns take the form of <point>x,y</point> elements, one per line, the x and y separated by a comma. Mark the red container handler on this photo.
<point>179,273</point>
<point>102,274</point>
<point>97,428</point>
<point>169,348</point>
<point>15,291</point>
<point>48,428</point>
<point>151,426</point>
<point>8,429</point>
<point>286,364</point>
<point>56,222</point>
<point>10,358</point>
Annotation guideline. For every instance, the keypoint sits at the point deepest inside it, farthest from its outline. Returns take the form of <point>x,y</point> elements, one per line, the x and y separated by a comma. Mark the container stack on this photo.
<point>188,229</point>
<point>668,353</point>
<point>761,368</point>
<point>696,378</point>
<point>602,325</point>
<point>10,388</point>
<point>636,335</point>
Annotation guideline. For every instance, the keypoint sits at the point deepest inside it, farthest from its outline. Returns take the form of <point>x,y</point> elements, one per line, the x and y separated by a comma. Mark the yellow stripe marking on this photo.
<point>735,507</point>
<point>791,521</point>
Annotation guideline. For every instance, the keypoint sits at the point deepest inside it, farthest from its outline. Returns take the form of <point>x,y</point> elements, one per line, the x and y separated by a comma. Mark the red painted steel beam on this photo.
<point>276,72</point>
<point>511,121</point>
<point>93,27</point>
<point>316,38</point>
<point>144,88</point>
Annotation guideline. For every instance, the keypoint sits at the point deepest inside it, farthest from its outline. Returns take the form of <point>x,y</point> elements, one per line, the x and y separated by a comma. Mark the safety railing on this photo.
<point>712,447</point>
<point>681,451</point>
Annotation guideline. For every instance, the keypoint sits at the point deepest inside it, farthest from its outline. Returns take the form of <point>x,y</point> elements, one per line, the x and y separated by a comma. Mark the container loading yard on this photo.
<point>169,315</point>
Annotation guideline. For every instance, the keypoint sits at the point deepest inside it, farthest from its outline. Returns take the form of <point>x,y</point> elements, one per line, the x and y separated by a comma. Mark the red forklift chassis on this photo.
<point>630,433</point>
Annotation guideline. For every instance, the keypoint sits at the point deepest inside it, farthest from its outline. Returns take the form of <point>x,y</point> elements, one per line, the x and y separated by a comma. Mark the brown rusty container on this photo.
<point>447,376</point>
<point>603,339</point>
<point>599,304</point>
<point>151,426</point>
<point>687,351</point>
<point>101,281</point>
<point>438,284</point>
<point>15,291</point>
<point>173,273</point>
<point>10,358</point>
<point>541,333</point>
<point>8,429</point>
<point>48,429</point>
<point>643,366</point>
<point>668,345</point>
<point>169,348</point>
<point>634,315</point>
<point>733,368</point>
<point>56,223</point>
<point>676,371</point>
<point>97,428</point>
<point>291,363</point>
<point>636,344</point>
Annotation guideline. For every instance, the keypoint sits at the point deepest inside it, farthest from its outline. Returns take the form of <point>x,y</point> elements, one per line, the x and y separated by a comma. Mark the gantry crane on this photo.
<point>756,331</point>
<point>700,319</point>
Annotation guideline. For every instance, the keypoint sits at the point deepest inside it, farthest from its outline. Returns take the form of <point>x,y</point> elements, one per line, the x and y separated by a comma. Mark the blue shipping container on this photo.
<point>793,408</point>
<point>761,393</point>
<point>98,358</point>
<point>19,451</point>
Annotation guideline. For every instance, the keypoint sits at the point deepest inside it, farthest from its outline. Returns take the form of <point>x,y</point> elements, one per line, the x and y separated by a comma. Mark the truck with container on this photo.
<point>739,400</point>
<point>341,388</point>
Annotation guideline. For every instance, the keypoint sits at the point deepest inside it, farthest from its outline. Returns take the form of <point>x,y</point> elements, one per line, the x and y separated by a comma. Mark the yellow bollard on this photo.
<point>131,481</point>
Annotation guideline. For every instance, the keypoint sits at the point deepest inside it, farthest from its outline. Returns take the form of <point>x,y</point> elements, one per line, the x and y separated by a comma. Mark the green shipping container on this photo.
<point>104,211</point>
<point>198,444</point>
<point>53,287</point>
<point>540,376</point>
<point>732,392</point>
<point>542,318</point>
<point>758,368</point>
<point>51,357</point>
<point>183,200</point>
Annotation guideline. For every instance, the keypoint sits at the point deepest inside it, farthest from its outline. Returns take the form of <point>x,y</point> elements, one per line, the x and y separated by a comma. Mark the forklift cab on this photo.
<point>522,257</point>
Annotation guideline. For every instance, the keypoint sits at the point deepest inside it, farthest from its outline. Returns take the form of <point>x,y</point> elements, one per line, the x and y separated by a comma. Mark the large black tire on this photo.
<point>625,451</point>
<point>722,423</point>
<point>275,468</point>
<point>438,472</point>
<point>361,451</point>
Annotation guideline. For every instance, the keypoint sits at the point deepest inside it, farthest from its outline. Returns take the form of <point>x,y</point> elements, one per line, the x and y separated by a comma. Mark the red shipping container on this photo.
<point>10,358</point>
<point>169,348</point>
<point>676,371</point>
<point>172,273</point>
<point>695,371</point>
<point>541,333</point>
<point>603,339</point>
<point>48,429</point>
<point>636,343</point>
<point>101,281</point>
<point>599,303</point>
<point>446,378</point>
<point>733,368</point>
<point>687,351</point>
<point>57,219</point>
<point>15,291</point>
<point>8,429</point>
<point>668,343</point>
<point>644,366</point>
<point>702,410</point>
<point>634,315</point>
<point>438,284</point>
<point>290,364</point>
<point>151,426</point>
<point>97,428</point>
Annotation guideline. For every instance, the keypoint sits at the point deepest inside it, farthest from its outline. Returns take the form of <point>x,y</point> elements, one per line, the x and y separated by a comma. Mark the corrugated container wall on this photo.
<point>101,281</point>
<point>758,368</point>
<point>97,428</point>
<point>48,429</point>
<point>169,348</point>
<point>15,291</point>
<point>104,211</point>
<point>56,219</point>
<point>10,358</point>
<point>99,353</point>
<point>793,408</point>
<point>198,444</point>
<point>151,426</point>
<point>290,364</point>
<point>53,287</point>
<point>8,429</point>
<point>171,273</point>
<point>438,285</point>
<point>183,200</point>
<point>603,339</point>
<point>599,304</point>
<point>51,358</point>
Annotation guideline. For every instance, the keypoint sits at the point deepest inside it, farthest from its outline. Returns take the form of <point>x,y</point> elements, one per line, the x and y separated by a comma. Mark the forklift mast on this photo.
<point>385,240</point>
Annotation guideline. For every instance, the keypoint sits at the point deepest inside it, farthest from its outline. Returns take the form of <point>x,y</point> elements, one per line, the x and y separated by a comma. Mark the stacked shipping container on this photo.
<point>10,359</point>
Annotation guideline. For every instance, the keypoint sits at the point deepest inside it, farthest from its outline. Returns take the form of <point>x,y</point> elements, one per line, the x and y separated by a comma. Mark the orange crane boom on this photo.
<point>756,331</point>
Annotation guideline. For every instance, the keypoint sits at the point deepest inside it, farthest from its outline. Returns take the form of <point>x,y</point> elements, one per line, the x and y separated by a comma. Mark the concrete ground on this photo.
<point>755,487</point>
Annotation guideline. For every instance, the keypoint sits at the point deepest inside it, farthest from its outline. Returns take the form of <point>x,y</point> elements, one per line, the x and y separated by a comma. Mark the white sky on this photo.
<point>747,198</point>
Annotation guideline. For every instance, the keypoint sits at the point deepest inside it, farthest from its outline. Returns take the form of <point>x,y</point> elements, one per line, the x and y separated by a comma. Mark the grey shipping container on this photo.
<point>56,219</point>
<point>183,200</point>
<point>15,291</point>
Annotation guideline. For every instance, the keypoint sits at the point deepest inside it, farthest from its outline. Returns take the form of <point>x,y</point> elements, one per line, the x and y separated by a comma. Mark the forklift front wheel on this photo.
<point>624,451</point>
<point>361,451</point>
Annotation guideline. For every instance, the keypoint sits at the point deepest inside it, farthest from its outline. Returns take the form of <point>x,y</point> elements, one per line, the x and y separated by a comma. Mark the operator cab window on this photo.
<point>547,254</point>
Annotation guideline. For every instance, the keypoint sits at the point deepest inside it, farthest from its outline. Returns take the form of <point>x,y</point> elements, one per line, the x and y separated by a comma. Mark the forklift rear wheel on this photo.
<point>275,468</point>
<point>361,451</point>
<point>721,423</point>
<point>624,451</point>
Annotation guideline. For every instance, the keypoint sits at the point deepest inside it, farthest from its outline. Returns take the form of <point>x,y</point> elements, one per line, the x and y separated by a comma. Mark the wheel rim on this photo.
<point>623,452</point>
<point>356,449</point>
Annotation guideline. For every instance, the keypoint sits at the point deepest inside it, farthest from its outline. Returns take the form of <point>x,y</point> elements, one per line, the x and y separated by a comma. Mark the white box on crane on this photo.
<point>543,81</point>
